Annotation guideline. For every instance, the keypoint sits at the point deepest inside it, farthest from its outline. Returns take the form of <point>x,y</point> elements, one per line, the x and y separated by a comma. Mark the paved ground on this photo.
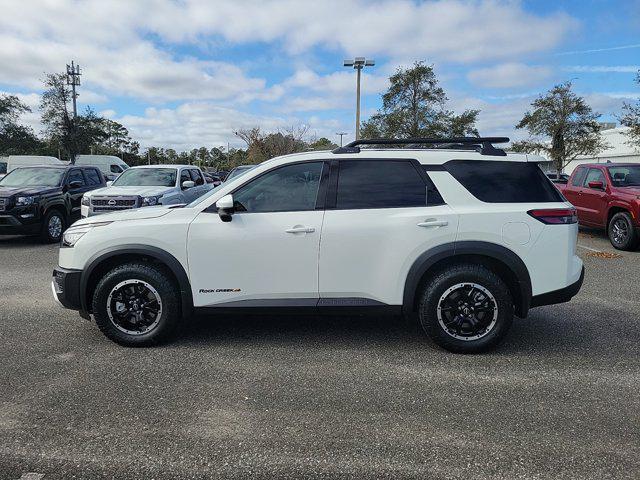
<point>314,397</point>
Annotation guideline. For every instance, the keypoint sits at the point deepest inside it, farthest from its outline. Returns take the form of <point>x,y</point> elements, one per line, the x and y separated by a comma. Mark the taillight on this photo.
<point>555,216</point>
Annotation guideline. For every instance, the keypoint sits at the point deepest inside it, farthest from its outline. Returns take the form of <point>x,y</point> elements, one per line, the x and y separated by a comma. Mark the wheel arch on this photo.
<point>504,262</point>
<point>105,260</point>
<point>617,208</point>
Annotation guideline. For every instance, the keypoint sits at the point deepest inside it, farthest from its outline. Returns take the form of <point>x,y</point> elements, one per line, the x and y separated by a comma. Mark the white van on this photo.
<point>110,165</point>
<point>14,161</point>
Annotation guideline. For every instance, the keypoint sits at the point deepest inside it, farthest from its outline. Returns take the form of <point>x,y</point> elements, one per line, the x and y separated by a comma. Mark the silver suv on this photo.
<point>146,186</point>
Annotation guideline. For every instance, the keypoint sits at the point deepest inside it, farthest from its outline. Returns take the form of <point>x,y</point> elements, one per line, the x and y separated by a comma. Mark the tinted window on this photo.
<point>3,168</point>
<point>184,176</point>
<point>75,176</point>
<point>379,184</point>
<point>288,188</point>
<point>196,176</point>
<point>578,178</point>
<point>115,169</point>
<point>504,181</point>
<point>93,177</point>
<point>594,175</point>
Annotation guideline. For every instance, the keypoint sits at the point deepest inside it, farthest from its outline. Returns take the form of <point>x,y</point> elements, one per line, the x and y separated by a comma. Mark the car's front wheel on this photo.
<point>622,233</point>
<point>53,226</point>
<point>466,308</point>
<point>136,305</point>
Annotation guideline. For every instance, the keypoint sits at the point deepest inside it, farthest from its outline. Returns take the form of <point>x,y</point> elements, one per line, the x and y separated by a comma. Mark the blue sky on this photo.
<point>190,73</point>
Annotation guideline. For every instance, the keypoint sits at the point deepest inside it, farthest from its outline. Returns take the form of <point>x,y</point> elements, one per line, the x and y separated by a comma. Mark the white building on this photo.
<point>619,151</point>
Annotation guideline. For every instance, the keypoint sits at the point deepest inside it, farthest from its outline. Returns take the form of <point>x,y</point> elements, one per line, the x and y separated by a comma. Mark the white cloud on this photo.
<point>603,68</point>
<point>509,75</point>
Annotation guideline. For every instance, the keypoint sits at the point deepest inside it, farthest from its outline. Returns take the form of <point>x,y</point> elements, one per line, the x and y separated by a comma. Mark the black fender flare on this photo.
<point>508,258</point>
<point>158,254</point>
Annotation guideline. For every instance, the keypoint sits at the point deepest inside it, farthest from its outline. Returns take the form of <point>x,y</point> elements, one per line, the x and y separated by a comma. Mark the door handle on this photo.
<point>300,230</point>
<point>432,222</point>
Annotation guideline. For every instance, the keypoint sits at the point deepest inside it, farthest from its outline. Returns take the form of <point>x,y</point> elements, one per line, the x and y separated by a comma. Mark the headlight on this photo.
<point>86,201</point>
<point>23,201</point>
<point>74,234</point>
<point>151,201</point>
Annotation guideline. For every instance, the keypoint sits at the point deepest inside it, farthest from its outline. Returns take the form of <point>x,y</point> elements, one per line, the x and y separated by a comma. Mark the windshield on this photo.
<point>33,177</point>
<point>147,177</point>
<point>625,176</point>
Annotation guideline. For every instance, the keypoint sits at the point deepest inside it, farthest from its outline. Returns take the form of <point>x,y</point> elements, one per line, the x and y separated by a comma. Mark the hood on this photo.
<point>26,191</point>
<point>132,214</point>
<point>127,191</point>
<point>635,191</point>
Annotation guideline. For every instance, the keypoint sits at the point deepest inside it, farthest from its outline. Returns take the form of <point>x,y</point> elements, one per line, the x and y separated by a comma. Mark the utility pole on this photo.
<point>341,134</point>
<point>73,79</point>
<point>358,64</point>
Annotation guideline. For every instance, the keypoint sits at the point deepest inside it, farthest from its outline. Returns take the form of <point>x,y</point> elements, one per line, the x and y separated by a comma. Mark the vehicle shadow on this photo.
<point>568,329</point>
<point>17,241</point>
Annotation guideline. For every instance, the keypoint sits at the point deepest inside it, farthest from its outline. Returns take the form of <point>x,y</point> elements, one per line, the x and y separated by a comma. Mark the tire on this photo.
<point>53,226</point>
<point>119,305</point>
<point>440,311</point>
<point>622,233</point>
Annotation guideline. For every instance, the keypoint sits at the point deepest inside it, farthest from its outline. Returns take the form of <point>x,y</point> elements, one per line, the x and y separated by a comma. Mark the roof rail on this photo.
<point>484,145</point>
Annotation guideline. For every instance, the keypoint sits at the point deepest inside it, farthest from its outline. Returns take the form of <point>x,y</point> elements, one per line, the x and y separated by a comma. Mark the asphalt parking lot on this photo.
<point>321,397</point>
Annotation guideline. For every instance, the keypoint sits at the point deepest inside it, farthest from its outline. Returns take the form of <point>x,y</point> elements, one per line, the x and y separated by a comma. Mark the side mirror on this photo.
<point>109,183</point>
<point>225,208</point>
<point>596,185</point>
<point>76,184</point>
<point>188,184</point>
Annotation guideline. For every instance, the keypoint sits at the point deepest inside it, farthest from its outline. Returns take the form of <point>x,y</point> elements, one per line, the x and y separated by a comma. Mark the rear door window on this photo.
<point>504,181</point>
<point>379,184</point>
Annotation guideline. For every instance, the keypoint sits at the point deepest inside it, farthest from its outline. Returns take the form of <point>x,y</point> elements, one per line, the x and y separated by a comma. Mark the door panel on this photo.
<point>368,253</point>
<point>593,202</point>
<point>254,257</point>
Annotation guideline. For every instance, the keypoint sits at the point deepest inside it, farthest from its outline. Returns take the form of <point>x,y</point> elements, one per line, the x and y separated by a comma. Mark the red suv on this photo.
<point>608,196</point>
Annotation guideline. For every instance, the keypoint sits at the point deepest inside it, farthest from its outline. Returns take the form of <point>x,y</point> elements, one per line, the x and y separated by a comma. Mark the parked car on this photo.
<point>239,170</point>
<point>556,177</point>
<point>44,200</point>
<point>607,196</point>
<point>7,164</point>
<point>145,186</point>
<point>213,179</point>
<point>110,165</point>
<point>464,249</point>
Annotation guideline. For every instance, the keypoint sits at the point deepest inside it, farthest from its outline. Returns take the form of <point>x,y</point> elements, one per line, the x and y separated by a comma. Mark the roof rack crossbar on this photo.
<point>484,144</point>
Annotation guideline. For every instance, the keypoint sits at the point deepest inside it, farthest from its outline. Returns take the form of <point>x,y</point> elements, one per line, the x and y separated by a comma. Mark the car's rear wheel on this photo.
<point>466,308</point>
<point>136,305</point>
<point>622,233</point>
<point>53,226</point>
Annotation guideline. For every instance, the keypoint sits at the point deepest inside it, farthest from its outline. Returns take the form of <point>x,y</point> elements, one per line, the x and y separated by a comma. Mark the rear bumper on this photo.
<point>65,286</point>
<point>558,296</point>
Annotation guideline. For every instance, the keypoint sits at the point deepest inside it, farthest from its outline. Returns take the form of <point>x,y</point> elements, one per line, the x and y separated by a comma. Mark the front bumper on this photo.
<point>65,286</point>
<point>558,296</point>
<point>23,221</point>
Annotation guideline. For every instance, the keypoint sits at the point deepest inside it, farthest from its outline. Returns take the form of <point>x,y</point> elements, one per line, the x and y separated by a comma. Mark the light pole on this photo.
<point>358,64</point>
<point>341,134</point>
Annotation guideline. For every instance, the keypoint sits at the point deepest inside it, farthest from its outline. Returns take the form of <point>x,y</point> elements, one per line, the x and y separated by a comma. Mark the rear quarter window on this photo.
<point>504,182</point>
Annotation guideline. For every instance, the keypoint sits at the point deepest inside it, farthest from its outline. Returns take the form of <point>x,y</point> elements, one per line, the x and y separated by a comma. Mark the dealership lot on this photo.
<point>321,397</point>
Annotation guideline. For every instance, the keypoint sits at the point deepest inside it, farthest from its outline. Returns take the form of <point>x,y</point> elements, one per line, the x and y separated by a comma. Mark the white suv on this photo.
<point>459,236</point>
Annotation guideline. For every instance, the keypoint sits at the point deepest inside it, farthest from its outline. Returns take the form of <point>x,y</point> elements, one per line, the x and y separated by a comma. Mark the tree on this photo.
<point>322,143</point>
<point>561,125</point>
<point>59,125</point>
<point>631,119</point>
<point>261,146</point>
<point>15,139</point>
<point>414,106</point>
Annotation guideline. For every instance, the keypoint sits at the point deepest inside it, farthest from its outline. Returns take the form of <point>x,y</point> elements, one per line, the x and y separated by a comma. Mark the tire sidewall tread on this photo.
<point>450,276</point>
<point>632,241</point>
<point>161,281</point>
